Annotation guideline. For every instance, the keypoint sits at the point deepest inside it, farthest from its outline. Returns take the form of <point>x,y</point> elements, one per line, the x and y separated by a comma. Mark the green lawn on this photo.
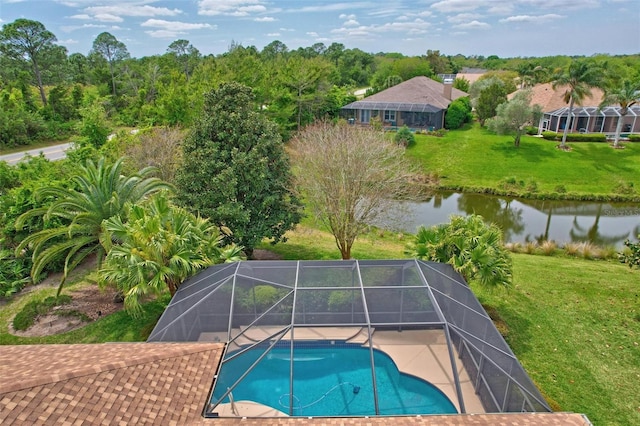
<point>475,157</point>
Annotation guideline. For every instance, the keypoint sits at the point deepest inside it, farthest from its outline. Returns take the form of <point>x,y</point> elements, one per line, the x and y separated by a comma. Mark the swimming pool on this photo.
<point>329,380</point>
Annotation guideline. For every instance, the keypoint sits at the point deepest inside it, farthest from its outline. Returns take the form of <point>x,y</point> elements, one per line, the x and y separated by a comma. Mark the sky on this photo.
<point>506,28</point>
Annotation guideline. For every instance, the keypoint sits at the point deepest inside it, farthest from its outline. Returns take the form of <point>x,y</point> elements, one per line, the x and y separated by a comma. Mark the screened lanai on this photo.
<point>593,120</point>
<point>407,328</point>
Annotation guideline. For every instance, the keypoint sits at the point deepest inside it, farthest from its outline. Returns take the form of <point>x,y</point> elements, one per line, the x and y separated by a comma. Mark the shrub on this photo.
<point>404,137</point>
<point>473,248</point>
<point>572,249</point>
<point>530,247</point>
<point>624,188</point>
<point>560,189</point>
<point>576,137</point>
<point>531,130</point>
<point>631,254</point>
<point>458,113</point>
<point>548,247</point>
<point>634,138</point>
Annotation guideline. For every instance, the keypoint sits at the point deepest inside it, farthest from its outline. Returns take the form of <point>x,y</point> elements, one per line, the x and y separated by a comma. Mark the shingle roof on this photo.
<point>106,383</point>
<point>159,383</point>
<point>418,90</point>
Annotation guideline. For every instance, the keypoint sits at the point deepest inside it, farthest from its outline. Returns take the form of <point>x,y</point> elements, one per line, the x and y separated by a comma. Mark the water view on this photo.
<point>605,224</point>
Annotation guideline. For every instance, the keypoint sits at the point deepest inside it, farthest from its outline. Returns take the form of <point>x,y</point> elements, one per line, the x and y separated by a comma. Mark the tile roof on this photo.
<point>159,383</point>
<point>418,90</point>
<point>551,100</point>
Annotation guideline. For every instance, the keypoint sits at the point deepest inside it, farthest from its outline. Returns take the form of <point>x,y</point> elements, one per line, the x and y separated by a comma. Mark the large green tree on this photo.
<point>157,248</point>
<point>28,39</point>
<point>492,93</point>
<point>99,191</point>
<point>113,51</point>
<point>235,170</point>
<point>627,94</point>
<point>576,81</point>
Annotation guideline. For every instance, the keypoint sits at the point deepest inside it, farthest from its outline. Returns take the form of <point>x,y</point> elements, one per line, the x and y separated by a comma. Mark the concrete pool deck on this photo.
<point>421,353</point>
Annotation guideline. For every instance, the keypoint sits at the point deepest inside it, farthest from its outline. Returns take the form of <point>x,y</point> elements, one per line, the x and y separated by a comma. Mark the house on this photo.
<point>419,103</point>
<point>587,117</point>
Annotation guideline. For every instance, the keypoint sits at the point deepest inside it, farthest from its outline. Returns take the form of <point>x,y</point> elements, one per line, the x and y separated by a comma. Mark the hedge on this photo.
<point>576,137</point>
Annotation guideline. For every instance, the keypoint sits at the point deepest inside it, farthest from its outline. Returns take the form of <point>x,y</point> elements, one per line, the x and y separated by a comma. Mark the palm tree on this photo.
<point>99,191</point>
<point>159,247</point>
<point>577,80</point>
<point>626,95</point>
<point>473,248</point>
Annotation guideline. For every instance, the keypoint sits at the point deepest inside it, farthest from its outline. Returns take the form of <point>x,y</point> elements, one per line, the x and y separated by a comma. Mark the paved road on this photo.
<point>54,152</point>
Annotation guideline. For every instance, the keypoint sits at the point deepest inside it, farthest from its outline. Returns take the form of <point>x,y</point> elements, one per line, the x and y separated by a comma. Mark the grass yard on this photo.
<point>574,324</point>
<point>474,157</point>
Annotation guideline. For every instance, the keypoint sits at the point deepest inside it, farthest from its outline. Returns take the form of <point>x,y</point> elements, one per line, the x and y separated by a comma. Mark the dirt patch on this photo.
<point>261,254</point>
<point>89,301</point>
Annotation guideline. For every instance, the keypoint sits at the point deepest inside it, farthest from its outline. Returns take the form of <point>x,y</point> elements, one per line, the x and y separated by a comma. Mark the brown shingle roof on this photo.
<point>159,383</point>
<point>152,383</point>
<point>418,90</point>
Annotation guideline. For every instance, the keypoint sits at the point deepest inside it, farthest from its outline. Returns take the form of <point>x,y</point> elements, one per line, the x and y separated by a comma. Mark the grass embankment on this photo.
<point>473,158</point>
<point>573,323</point>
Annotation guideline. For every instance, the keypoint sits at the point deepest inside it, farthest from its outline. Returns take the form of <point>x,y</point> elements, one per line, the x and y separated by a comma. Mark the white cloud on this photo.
<point>81,16</point>
<point>463,17</point>
<point>347,17</point>
<point>473,25</point>
<point>68,41</point>
<point>132,10</point>
<point>274,34</point>
<point>230,7</point>
<point>334,7</point>
<point>417,26</point>
<point>531,18</point>
<point>561,4</point>
<point>457,5</point>
<point>164,33</point>
<point>174,25</point>
<point>265,19</point>
<point>107,17</point>
<point>70,28</point>
<point>351,23</point>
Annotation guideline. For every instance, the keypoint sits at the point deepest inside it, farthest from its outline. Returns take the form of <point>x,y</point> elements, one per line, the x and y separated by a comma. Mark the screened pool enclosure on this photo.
<point>404,327</point>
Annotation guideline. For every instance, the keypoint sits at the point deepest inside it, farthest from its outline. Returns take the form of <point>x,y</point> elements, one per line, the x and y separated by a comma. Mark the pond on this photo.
<point>522,220</point>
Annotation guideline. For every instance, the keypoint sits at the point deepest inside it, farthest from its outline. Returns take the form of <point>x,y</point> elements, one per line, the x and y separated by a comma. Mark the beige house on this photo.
<point>586,118</point>
<point>418,103</point>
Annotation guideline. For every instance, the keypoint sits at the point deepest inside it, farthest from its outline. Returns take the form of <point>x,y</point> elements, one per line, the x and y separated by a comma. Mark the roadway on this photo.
<point>53,152</point>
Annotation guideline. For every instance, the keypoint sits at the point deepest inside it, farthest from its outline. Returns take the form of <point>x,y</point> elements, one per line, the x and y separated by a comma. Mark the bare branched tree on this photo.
<point>351,177</point>
<point>160,148</point>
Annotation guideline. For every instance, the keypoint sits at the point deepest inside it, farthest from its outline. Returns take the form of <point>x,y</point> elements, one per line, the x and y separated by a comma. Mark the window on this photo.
<point>389,116</point>
<point>365,115</point>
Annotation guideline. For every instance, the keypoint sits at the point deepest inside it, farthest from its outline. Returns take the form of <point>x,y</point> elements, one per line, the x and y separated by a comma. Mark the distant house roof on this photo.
<point>551,100</point>
<point>157,383</point>
<point>424,94</point>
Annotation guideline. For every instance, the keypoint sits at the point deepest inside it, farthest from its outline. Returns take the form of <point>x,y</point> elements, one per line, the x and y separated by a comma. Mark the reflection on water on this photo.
<point>604,224</point>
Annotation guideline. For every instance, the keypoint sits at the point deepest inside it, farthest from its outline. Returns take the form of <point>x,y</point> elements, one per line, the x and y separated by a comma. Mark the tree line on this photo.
<point>45,92</point>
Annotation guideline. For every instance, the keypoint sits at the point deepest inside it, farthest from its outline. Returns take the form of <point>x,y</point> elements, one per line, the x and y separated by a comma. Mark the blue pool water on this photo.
<point>329,380</point>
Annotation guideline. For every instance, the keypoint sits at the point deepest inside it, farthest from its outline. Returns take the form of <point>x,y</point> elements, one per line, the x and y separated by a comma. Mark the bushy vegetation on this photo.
<point>473,248</point>
<point>576,137</point>
<point>458,113</point>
